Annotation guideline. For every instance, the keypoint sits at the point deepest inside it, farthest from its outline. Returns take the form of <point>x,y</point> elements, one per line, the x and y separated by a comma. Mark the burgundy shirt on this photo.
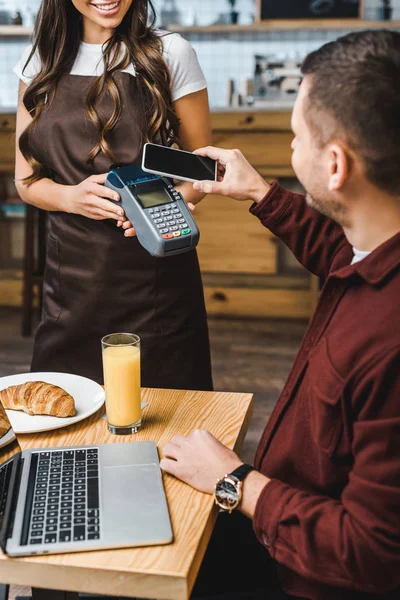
<point>330,516</point>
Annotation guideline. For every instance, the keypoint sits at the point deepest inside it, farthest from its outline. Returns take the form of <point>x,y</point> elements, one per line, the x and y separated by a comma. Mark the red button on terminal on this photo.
<point>167,236</point>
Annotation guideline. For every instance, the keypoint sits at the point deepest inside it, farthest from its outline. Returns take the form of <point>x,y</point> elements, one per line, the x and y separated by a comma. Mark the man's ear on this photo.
<point>339,167</point>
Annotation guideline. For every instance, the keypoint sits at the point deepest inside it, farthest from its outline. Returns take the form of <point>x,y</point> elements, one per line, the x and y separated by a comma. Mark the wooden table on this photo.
<point>160,572</point>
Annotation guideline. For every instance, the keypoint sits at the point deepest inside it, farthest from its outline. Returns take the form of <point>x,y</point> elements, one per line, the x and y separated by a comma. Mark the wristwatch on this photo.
<point>228,490</point>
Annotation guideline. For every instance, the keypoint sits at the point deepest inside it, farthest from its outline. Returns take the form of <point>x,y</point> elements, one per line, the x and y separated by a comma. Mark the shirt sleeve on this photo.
<point>186,74</point>
<point>352,541</point>
<point>27,72</point>
<point>318,243</point>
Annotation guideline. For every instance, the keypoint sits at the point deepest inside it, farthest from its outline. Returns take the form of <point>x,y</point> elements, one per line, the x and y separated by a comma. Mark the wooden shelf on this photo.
<point>272,25</point>
<point>15,31</point>
<point>290,24</point>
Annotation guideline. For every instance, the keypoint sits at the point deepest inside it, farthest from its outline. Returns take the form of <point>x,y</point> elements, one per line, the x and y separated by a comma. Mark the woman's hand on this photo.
<point>236,177</point>
<point>129,230</point>
<point>89,199</point>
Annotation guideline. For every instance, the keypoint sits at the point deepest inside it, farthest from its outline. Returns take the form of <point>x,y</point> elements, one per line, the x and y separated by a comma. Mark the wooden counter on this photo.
<point>232,241</point>
<point>7,142</point>
<point>246,270</point>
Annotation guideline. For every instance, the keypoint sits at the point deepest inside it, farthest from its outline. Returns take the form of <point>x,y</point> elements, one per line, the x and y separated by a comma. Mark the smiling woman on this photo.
<point>114,12</point>
<point>111,9</point>
<point>99,82</point>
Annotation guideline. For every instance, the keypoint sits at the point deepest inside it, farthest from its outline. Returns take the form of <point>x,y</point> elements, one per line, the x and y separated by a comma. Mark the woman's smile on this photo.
<point>106,8</point>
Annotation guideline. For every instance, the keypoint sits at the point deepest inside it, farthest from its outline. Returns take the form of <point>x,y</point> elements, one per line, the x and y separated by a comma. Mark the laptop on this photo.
<point>78,498</point>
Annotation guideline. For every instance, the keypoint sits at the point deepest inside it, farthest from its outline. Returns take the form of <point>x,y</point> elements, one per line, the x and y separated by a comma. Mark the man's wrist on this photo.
<point>260,190</point>
<point>253,485</point>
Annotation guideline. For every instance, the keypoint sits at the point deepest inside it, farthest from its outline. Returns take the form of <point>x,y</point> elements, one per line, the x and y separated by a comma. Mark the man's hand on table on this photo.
<point>236,177</point>
<point>200,460</point>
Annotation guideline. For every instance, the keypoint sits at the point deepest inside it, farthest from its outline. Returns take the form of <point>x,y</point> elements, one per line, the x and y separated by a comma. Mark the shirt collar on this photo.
<point>375,267</point>
<point>359,255</point>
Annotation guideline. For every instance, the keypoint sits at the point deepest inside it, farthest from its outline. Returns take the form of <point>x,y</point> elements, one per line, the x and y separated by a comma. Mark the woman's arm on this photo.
<point>86,198</point>
<point>195,128</point>
<point>44,193</point>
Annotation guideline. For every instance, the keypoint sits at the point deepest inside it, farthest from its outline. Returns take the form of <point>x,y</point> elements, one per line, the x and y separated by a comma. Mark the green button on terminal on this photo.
<point>185,231</point>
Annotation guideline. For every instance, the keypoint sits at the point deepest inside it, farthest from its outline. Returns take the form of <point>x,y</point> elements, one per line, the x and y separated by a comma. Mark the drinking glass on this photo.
<point>121,367</point>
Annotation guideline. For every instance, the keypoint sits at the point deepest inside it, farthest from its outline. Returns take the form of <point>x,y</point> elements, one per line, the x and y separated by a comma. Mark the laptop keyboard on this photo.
<point>5,474</point>
<point>66,497</point>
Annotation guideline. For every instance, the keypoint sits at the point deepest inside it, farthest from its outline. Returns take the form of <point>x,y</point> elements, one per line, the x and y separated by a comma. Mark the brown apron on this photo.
<point>97,281</point>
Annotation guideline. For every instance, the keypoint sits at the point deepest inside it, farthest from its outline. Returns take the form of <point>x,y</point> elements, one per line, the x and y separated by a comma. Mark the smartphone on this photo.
<point>178,164</point>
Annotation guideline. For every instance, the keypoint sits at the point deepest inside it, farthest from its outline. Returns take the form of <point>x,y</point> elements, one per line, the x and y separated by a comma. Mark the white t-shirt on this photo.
<point>359,255</point>
<point>186,74</point>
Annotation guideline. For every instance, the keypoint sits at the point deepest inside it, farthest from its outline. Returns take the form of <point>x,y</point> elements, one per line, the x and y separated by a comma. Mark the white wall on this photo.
<point>222,56</point>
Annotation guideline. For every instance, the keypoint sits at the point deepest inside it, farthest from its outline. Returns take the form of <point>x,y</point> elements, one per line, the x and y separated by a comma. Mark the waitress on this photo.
<point>98,82</point>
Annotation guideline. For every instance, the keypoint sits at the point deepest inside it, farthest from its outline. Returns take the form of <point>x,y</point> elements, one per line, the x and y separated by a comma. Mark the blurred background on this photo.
<point>259,299</point>
<point>225,53</point>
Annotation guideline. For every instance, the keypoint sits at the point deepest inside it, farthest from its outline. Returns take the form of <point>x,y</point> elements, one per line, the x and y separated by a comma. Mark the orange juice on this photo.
<point>121,366</point>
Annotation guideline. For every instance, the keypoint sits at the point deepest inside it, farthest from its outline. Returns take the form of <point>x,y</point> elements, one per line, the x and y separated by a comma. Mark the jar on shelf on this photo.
<point>16,18</point>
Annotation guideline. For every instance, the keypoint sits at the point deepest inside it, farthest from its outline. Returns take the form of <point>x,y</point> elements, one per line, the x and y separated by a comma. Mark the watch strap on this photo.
<point>241,472</point>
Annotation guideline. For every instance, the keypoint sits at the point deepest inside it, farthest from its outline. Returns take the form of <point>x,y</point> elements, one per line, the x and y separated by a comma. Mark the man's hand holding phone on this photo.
<point>236,177</point>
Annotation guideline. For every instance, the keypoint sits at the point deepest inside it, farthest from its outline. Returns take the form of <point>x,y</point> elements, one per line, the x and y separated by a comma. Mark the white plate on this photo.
<point>89,396</point>
<point>7,438</point>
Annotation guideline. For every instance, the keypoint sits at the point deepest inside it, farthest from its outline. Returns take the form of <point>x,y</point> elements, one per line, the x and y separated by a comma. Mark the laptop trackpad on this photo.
<point>133,499</point>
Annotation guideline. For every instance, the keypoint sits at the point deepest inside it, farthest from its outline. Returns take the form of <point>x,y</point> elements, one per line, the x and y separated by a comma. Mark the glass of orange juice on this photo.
<point>121,367</point>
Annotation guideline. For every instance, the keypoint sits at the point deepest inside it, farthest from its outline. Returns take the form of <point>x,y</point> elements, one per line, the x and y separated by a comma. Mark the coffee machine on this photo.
<point>275,79</point>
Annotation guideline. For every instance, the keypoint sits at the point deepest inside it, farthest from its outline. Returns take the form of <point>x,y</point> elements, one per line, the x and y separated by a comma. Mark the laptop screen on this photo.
<point>10,452</point>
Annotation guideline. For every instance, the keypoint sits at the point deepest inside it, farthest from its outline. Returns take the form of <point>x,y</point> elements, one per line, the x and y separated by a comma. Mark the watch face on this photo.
<point>226,494</point>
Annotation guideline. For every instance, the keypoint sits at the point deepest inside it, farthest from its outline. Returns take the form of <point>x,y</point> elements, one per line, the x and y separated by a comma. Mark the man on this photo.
<point>323,503</point>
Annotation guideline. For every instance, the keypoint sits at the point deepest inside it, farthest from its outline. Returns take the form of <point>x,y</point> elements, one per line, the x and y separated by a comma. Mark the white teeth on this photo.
<point>107,6</point>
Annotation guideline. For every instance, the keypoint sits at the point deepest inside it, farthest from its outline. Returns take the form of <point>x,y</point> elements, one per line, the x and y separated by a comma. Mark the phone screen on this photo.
<point>178,164</point>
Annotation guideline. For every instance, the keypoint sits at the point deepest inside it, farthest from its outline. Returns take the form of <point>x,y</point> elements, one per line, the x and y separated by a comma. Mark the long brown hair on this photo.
<point>57,37</point>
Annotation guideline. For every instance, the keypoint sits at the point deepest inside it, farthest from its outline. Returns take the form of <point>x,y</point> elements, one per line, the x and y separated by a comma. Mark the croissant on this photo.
<point>38,398</point>
<point>4,422</point>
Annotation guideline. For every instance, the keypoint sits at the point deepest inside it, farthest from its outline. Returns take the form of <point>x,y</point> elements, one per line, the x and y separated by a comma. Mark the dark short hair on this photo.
<point>355,95</point>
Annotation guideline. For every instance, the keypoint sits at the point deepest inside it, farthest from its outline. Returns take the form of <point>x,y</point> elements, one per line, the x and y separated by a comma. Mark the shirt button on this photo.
<point>265,541</point>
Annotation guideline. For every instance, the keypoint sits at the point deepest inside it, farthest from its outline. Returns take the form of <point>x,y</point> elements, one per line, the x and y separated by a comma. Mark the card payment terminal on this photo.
<point>162,220</point>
